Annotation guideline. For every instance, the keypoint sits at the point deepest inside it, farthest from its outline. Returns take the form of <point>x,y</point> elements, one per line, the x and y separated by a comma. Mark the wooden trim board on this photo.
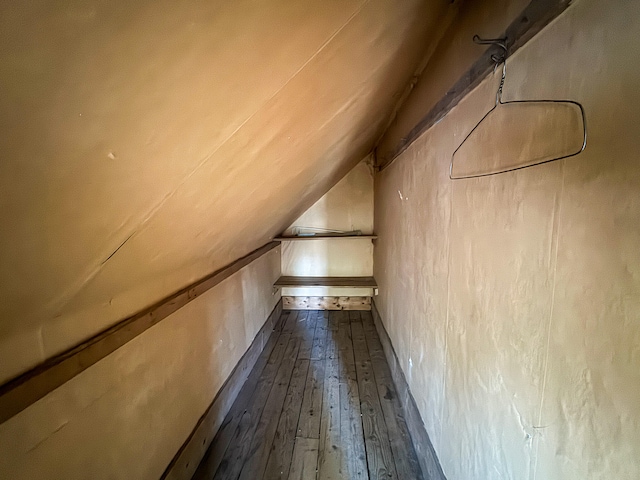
<point>429,463</point>
<point>326,303</point>
<point>326,237</point>
<point>537,15</point>
<point>186,461</point>
<point>28,388</point>
<point>368,282</point>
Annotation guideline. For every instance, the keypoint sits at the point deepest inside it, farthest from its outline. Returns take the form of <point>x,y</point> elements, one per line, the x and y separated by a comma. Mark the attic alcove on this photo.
<point>327,253</point>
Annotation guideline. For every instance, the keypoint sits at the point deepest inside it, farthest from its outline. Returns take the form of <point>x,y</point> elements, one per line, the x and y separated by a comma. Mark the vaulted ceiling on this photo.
<point>145,144</point>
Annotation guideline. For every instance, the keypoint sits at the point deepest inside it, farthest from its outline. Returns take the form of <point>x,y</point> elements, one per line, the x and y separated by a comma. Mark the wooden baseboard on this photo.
<point>429,463</point>
<point>326,303</point>
<point>185,462</point>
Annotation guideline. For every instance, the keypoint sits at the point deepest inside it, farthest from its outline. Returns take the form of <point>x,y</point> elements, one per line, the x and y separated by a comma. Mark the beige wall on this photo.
<point>513,301</point>
<point>126,416</point>
<point>348,206</point>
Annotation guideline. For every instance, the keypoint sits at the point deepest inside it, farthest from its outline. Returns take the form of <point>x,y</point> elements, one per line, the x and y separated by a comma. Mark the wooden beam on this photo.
<point>326,237</point>
<point>28,388</point>
<point>367,282</point>
<point>537,15</point>
<point>326,303</point>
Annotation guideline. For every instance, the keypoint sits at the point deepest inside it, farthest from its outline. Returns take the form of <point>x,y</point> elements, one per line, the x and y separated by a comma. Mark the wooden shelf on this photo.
<point>324,237</point>
<point>366,282</point>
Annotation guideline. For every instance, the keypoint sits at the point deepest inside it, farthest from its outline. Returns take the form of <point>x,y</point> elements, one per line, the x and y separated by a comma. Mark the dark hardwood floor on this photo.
<point>319,403</point>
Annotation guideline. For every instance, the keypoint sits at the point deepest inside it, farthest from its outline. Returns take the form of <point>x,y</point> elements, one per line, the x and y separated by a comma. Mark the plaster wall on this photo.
<point>513,301</point>
<point>126,416</point>
<point>348,206</point>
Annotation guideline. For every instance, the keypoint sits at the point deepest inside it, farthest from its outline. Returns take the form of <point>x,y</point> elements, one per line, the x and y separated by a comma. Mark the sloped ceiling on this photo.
<point>145,144</point>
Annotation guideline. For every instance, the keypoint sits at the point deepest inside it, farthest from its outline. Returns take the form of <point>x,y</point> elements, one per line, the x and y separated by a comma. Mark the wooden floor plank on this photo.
<point>290,324</point>
<point>404,454</point>
<point>307,333</point>
<point>311,410</point>
<point>282,449</point>
<point>261,441</point>
<point>305,459</point>
<point>379,456</point>
<point>318,350</point>
<point>330,454</point>
<point>351,432</point>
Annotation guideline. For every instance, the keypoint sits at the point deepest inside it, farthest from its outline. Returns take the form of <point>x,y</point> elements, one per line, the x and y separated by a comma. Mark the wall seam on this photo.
<point>533,473</point>
<point>446,321</point>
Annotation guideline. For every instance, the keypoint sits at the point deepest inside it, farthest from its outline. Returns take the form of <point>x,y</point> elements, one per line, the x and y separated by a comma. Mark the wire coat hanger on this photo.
<point>501,59</point>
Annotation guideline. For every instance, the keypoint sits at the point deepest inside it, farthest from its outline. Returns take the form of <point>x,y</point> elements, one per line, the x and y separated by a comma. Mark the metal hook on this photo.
<point>500,42</point>
<point>498,59</point>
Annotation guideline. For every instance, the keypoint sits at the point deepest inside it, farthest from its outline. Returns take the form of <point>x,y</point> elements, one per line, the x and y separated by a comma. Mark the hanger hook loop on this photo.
<point>498,59</point>
<point>500,42</point>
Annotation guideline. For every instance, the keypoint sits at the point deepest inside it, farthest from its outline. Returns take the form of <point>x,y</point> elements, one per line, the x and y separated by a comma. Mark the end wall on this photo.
<point>126,416</point>
<point>513,300</point>
<point>348,206</point>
